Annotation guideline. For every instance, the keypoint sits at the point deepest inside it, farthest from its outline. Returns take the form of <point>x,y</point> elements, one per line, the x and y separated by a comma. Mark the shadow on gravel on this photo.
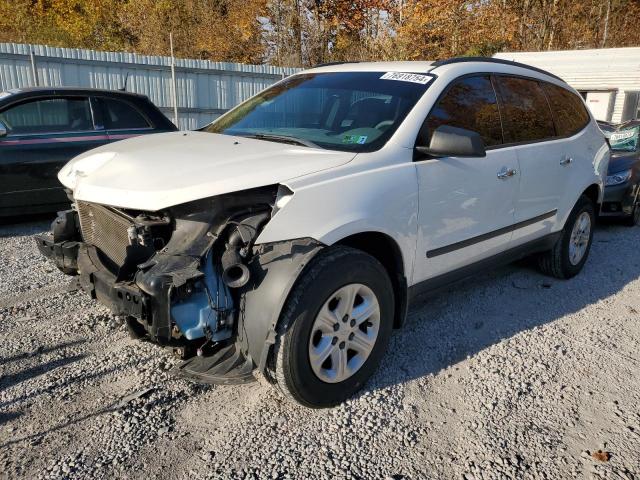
<point>111,407</point>
<point>8,416</point>
<point>16,378</point>
<point>39,351</point>
<point>444,328</point>
<point>68,381</point>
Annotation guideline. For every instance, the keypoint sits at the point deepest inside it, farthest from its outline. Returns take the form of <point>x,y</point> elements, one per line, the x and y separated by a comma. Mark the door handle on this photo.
<point>506,173</point>
<point>566,161</point>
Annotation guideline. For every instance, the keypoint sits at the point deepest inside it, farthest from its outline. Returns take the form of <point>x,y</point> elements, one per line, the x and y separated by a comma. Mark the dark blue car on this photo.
<point>622,189</point>
<point>41,129</point>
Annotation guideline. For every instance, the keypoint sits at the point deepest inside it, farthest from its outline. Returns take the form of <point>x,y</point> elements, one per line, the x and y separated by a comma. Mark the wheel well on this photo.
<point>385,249</point>
<point>593,192</point>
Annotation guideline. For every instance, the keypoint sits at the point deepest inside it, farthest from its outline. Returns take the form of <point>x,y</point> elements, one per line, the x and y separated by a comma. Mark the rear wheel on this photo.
<point>336,327</point>
<point>570,253</point>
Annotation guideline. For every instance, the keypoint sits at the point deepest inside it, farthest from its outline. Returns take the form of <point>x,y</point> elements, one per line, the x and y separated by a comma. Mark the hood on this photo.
<point>153,172</point>
<point>621,161</point>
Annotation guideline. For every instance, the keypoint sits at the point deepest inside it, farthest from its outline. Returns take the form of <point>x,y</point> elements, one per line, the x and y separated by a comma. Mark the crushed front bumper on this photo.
<point>122,298</point>
<point>619,200</point>
<point>148,297</point>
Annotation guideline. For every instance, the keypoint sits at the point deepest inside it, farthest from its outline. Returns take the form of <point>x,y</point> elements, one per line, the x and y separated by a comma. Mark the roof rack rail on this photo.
<point>449,61</point>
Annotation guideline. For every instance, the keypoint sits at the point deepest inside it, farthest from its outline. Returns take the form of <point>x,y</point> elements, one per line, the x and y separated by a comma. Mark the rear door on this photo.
<point>122,119</point>
<point>466,204</point>
<point>543,157</point>
<point>43,134</point>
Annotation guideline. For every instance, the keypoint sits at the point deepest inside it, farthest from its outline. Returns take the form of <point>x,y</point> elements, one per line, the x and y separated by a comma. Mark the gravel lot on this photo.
<point>509,375</point>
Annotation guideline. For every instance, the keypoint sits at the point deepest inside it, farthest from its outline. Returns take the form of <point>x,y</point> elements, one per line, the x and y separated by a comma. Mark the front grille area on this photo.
<point>105,229</point>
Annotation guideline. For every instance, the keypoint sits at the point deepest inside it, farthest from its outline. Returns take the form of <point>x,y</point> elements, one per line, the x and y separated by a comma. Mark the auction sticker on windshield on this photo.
<point>406,77</point>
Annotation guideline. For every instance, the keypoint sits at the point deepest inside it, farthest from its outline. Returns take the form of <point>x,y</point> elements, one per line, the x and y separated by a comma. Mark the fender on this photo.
<point>383,199</point>
<point>275,267</point>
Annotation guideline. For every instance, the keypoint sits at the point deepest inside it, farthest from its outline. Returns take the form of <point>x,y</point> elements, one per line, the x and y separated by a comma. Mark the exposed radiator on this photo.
<point>105,229</point>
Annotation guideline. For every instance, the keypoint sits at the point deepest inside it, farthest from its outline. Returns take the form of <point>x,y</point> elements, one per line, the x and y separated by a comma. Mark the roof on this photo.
<point>413,67</point>
<point>460,64</point>
<point>67,91</point>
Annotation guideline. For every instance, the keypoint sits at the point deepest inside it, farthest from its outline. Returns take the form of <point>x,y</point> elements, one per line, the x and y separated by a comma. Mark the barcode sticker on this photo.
<point>406,77</point>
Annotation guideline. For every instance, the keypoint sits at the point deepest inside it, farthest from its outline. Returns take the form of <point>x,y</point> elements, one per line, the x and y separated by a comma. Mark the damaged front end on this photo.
<point>190,278</point>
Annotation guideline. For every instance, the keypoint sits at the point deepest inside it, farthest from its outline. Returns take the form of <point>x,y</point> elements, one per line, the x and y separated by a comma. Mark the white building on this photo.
<point>608,79</point>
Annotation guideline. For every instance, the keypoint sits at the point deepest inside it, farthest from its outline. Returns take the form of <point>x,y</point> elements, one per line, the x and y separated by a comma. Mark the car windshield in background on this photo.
<point>352,111</point>
<point>625,140</point>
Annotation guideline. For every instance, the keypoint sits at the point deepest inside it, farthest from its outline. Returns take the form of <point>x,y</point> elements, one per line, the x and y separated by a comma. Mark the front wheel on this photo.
<point>335,328</point>
<point>569,254</point>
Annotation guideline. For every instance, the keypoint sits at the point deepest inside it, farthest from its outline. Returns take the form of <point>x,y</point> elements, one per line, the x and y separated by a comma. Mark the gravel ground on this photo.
<point>508,375</point>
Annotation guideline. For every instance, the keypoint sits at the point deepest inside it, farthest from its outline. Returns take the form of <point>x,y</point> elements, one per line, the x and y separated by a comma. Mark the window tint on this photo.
<point>526,113</point>
<point>469,103</point>
<point>49,116</point>
<point>569,111</point>
<point>120,115</point>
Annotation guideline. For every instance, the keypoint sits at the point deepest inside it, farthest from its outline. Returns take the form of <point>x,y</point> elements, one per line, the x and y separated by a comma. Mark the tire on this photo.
<point>308,328</point>
<point>559,262</point>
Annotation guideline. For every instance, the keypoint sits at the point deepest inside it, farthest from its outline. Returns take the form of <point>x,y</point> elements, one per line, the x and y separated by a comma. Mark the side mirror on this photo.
<point>448,141</point>
<point>3,130</point>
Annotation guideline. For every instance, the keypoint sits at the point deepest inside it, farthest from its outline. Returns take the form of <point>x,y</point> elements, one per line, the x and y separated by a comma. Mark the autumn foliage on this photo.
<point>306,32</point>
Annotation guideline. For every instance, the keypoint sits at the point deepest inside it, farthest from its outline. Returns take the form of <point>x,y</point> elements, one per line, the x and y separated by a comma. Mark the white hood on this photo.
<point>153,172</point>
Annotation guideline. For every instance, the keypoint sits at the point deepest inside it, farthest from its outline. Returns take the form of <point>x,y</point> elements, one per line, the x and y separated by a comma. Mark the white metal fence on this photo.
<point>205,89</point>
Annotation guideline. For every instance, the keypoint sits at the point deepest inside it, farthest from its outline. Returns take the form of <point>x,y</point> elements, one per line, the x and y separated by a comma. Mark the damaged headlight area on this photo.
<point>180,276</point>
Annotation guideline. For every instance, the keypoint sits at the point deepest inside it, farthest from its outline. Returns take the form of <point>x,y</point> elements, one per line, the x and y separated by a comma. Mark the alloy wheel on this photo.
<point>344,333</point>
<point>580,236</point>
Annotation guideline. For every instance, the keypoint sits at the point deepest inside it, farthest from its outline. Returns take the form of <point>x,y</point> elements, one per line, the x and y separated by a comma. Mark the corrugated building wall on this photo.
<point>609,78</point>
<point>205,89</point>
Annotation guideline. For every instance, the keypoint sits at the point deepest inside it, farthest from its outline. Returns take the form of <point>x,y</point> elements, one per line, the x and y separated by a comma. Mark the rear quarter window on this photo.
<point>119,115</point>
<point>569,111</point>
<point>526,112</point>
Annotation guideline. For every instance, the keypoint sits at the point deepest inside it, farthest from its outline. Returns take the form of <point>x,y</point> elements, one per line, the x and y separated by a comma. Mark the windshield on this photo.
<point>625,140</point>
<point>351,111</point>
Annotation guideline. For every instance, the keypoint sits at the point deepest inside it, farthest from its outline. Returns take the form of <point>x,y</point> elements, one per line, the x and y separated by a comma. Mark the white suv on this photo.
<point>287,237</point>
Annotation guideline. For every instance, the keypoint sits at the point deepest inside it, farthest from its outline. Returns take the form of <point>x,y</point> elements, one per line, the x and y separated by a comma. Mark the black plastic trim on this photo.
<point>536,246</point>
<point>486,236</point>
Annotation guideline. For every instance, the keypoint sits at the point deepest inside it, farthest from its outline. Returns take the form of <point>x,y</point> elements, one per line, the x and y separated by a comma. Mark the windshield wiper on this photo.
<point>283,139</point>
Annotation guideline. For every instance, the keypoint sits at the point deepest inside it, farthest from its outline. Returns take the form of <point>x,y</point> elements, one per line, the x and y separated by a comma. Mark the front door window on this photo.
<point>53,115</point>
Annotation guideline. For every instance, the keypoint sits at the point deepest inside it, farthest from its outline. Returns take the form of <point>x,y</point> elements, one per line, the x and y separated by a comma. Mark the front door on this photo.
<point>42,135</point>
<point>467,205</point>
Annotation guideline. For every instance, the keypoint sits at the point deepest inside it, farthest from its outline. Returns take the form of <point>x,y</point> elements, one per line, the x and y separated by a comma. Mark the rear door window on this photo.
<point>569,111</point>
<point>526,113</point>
<point>119,115</point>
<point>469,103</point>
<point>49,115</point>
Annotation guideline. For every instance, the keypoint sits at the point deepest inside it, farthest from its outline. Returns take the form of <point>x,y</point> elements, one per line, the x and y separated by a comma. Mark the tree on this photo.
<point>307,32</point>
